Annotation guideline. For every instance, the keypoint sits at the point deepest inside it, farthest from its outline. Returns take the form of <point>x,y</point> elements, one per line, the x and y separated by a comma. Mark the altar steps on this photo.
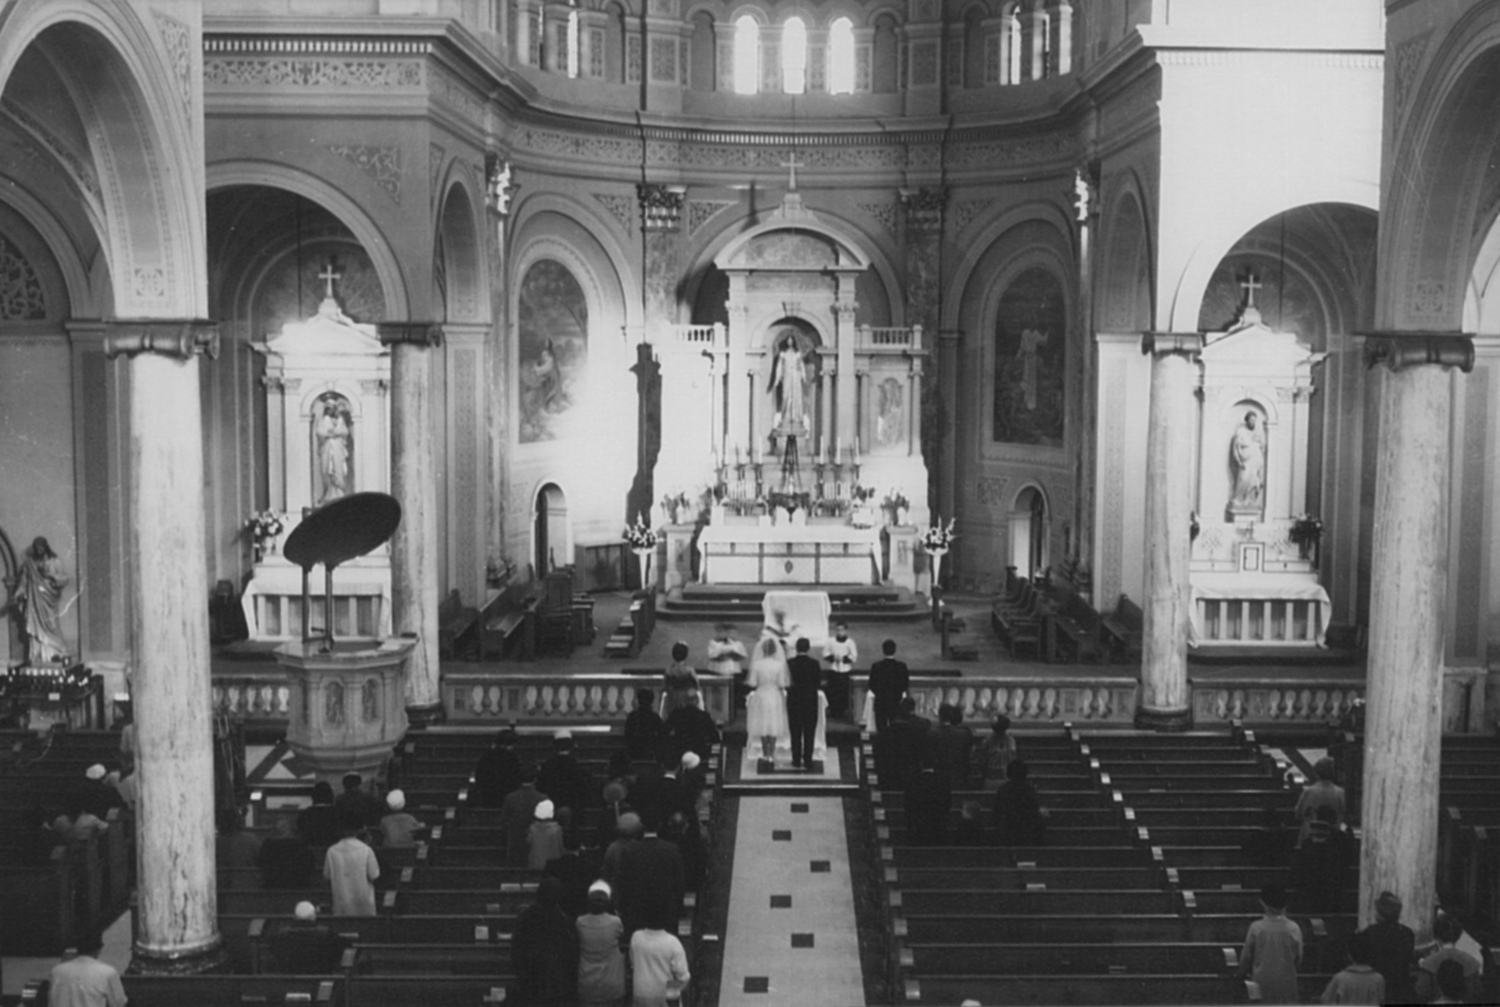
<point>742,602</point>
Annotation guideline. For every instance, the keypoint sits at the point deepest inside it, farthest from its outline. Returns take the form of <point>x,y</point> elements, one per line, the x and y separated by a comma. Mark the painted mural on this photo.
<point>1030,357</point>
<point>553,324</point>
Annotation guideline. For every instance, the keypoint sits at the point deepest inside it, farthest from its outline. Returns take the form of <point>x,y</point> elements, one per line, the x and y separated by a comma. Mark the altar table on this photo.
<point>793,614</point>
<point>1270,610</point>
<point>734,553</point>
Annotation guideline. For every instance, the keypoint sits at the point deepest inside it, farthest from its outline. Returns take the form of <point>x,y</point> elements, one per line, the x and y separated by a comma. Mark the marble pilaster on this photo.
<point>177,921</point>
<point>1165,703</point>
<point>1409,577</point>
<point>414,546</point>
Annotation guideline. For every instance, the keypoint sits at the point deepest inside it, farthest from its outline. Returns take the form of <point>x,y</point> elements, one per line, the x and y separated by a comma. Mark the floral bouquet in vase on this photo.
<point>936,541</point>
<point>642,541</point>
<point>264,528</point>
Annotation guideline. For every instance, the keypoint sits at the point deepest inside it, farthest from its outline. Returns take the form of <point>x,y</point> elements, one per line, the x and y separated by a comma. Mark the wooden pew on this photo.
<point>1072,989</point>
<point>1033,903</point>
<point>39,918</point>
<point>231,990</point>
<point>1065,959</point>
<point>456,621</point>
<point>1122,629</point>
<point>1000,877</point>
<point>427,990</point>
<point>507,625</point>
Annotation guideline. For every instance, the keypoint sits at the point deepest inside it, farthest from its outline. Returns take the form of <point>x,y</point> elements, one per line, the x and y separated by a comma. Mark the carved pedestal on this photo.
<point>348,707</point>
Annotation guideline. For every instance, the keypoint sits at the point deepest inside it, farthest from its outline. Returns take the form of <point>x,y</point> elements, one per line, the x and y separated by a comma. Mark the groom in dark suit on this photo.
<point>802,703</point>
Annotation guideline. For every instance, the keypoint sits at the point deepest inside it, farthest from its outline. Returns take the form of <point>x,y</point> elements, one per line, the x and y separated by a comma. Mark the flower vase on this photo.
<point>937,563</point>
<point>644,555</point>
<point>901,516</point>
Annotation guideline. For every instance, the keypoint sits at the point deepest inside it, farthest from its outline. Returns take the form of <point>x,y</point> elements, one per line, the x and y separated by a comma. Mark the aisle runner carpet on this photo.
<point>791,939</point>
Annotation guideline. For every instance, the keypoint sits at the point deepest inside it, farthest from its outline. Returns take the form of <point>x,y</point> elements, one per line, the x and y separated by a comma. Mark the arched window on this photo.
<point>746,56</point>
<point>884,55</point>
<point>794,56</point>
<point>841,57</point>
<point>573,43</point>
<point>1010,46</point>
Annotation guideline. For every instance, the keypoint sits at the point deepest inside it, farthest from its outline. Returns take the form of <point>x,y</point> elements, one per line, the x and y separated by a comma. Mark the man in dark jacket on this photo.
<point>951,745</point>
<point>497,773</point>
<point>644,730</point>
<point>690,729</point>
<point>802,703</point>
<point>889,680</point>
<point>649,881</point>
<point>562,778</point>
<point>1018,811</point>
<point>1392,949</point>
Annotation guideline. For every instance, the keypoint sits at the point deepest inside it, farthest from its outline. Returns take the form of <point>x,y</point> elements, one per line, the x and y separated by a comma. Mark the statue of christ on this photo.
<point>788,382</point>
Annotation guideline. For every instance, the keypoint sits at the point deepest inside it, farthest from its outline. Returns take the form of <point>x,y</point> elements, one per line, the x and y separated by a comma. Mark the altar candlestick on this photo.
<point>838,449</point>
<point>856,450</point>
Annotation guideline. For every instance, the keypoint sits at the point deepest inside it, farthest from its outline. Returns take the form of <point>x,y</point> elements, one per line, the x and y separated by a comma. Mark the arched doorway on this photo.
<point>550,533</point>
<point>1028,532</point>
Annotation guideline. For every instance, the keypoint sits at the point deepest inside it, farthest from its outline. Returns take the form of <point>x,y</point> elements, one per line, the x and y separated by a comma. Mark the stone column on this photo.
<point>414,547</point>
<point>1408,596</point>
<point>1164,703</point>
<point>177,926</point>
<point>661,227</point>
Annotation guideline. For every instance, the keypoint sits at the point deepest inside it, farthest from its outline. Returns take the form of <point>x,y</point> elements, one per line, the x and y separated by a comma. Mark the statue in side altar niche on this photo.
<point>36,600</point>
<point>334,434</point>
<point>789,383</point>
<point>1247,460</point>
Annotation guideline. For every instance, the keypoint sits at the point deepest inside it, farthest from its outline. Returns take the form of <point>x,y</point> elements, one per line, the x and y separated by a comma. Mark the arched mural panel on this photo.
<point>553,329</point>
<point>1030,362</point>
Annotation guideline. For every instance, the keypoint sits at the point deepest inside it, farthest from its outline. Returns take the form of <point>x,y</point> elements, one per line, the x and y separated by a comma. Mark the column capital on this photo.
<point>1160,343</point>
<point>1398,350</point>
<point>426,334</point>
<point>182,338</point>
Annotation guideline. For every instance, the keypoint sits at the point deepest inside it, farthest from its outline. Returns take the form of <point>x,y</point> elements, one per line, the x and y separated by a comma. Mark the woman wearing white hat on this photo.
<point>601,960</point>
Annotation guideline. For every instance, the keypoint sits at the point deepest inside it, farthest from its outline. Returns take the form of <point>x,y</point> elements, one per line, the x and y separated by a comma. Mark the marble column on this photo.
<point>414,547</point>
<point>1408,596</point>
<point>1164,701</point>
<point>177,921</point>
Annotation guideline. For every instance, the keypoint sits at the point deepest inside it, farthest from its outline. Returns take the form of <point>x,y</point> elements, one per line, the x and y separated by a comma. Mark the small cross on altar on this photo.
<point>1250,284</point>
<point>328,276</point>
<point>793,164</point>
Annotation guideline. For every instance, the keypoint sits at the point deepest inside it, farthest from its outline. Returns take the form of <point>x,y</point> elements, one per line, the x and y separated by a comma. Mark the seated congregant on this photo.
<point>1019,820</point>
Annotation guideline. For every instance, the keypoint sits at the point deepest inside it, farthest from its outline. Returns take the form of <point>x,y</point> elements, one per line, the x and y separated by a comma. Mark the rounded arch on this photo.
<point>1183,294</point>
<point>1053,215</point>
<point>1428,245</point>
<point>141,135</point>
<point>1127,263</point>
<point>551,527</point>
<point>466,286</point>
<point>335,201</point>
<point>1029,520</point>
<point>612,270</point>
<point>38,232</point>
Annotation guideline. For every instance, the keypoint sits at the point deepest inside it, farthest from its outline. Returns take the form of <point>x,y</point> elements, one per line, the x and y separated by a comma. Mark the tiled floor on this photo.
<point>791,937</point>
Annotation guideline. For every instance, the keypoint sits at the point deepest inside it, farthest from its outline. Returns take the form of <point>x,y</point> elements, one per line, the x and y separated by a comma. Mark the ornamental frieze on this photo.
<point>226,71</point>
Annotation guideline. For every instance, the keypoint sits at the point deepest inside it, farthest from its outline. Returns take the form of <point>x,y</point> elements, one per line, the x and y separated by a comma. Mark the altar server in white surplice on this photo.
<point>840,654</point>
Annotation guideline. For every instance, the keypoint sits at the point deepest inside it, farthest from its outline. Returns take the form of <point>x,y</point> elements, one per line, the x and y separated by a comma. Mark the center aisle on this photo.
<point>791,938</point>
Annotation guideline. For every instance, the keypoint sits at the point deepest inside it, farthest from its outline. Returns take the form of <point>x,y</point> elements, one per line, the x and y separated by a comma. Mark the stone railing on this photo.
<point>1027,701</point>
<point>1267,701</point>
<point>252,695</point>
<point>489,698</point>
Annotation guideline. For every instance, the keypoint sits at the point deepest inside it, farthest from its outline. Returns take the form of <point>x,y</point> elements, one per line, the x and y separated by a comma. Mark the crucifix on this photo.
<point>1250,284</point>
<point>793,164</point>
<point>328,276</point>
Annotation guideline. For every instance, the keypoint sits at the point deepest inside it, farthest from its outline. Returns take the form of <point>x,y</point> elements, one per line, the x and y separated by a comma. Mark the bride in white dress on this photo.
<point>765,709</point>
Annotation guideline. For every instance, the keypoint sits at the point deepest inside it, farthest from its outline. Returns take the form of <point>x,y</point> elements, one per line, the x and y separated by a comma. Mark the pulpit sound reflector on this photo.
<point>335,533</point>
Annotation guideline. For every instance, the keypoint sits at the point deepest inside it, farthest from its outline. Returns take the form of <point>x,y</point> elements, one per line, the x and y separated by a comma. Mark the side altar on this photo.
<point>1253,563</point>
<point>327,388</point>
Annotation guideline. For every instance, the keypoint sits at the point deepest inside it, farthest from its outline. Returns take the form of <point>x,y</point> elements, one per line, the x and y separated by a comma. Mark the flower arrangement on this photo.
<point>939,538</point>
<point>1306,530</point>
<point>672,503</point>
<point>639,537</point>
<point>895,500</point>
<point>264,525</point>
<point>862,494</point>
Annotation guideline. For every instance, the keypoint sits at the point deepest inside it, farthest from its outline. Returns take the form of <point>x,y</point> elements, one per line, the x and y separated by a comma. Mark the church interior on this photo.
<point>380,375</point>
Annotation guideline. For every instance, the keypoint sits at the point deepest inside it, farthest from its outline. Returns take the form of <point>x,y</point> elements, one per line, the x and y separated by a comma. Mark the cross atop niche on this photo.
<point>330,305</point>
<point>792,164</point>
<point>1250,283</point>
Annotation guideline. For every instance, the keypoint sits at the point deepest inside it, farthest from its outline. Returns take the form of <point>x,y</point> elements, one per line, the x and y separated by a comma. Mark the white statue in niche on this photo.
<point>788,381</point>
<point>1247,462</point>
<point>333,433</point>
<point>890,420</point>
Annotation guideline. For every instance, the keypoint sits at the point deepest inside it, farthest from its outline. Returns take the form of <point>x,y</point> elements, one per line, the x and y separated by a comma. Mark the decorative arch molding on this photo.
<point>134,109</point>
<point>30,226</point>
<point>547,246</point>
<point>348,211</point>
<point>458,233</point>
<point>732,230</point>
<point>529,216</point>
<point>1427,242</point>
<point>1182,294</point>
<point>1126,244</point>
<point>983,245</point>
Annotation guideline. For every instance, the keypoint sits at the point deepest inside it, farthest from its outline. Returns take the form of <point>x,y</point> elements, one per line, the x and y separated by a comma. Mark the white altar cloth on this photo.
<point>1242,601</point>
<point>793,614</point>
<point>816,553</point>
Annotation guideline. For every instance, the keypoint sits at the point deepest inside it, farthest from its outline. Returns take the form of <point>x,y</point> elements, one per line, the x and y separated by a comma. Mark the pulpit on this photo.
<point>348,707</point>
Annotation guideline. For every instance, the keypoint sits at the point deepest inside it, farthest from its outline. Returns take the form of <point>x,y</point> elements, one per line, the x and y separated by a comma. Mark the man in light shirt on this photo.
<point>85,981</point>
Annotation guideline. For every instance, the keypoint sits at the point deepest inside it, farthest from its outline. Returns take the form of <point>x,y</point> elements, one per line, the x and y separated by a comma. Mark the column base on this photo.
<point>202,961</point>
<point>418,717</point>
<point>1164,720</point>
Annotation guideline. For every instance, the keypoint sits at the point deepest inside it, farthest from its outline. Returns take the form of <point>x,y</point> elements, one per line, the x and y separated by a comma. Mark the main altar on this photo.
<point>796,422</point>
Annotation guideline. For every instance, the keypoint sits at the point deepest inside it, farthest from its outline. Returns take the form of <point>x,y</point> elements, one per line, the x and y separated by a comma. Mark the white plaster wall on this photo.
<point>1241,141</point>
<point>1124,405</point>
